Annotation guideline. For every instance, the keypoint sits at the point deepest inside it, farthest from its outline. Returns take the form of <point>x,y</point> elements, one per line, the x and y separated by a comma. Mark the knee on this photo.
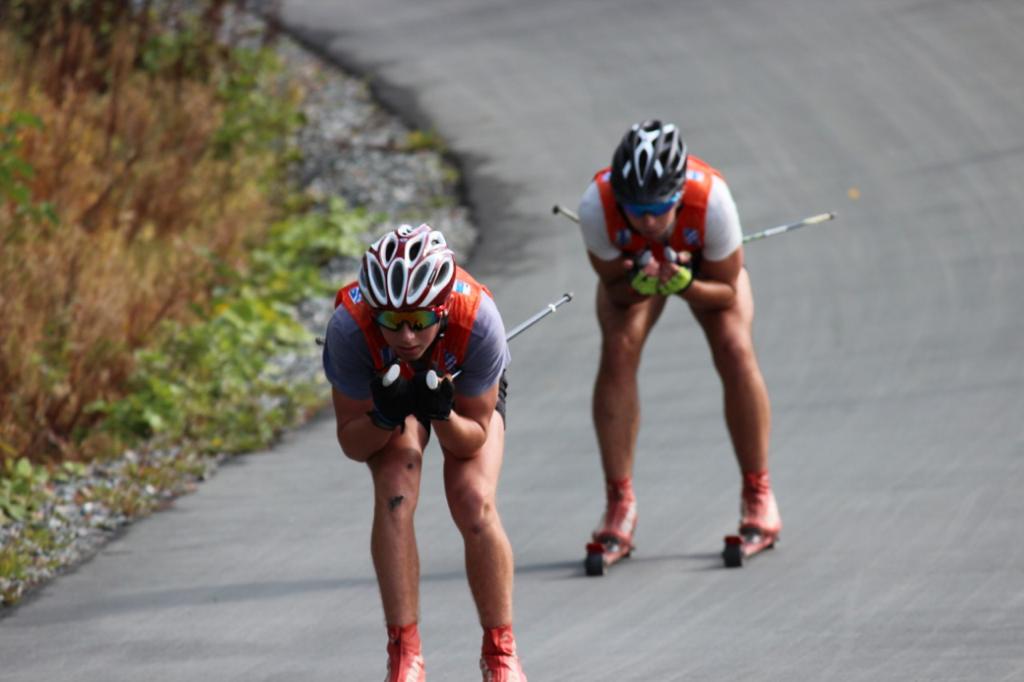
<point>473,509</point>
<point>396,483</point>
<point>620,350</point>
<point>734,355</point>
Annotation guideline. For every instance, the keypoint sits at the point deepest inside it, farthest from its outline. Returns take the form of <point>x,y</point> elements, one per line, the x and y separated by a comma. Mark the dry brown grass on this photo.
<point>146,213</point>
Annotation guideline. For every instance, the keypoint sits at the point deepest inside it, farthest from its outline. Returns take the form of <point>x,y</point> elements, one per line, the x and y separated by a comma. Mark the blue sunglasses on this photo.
<point>660,208</point>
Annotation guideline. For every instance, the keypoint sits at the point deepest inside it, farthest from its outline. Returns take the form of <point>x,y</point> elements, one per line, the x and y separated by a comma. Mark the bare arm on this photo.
<point>465,431</point>
<point>614,276</point>
<point>358,436</point>
<point>715,288</point>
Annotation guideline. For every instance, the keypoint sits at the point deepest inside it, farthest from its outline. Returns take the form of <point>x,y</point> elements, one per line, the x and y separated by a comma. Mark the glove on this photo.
<point>393,399</point>
<point>641,282</point>
<point>434,397</point>
<point>678,283</point>
<point>644,284</point>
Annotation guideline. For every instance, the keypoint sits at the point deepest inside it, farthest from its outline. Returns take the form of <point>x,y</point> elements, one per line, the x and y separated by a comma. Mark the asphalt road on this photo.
<point>891,340</point>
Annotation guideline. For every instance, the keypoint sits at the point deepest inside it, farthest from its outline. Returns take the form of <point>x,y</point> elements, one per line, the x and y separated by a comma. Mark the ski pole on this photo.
<point>431,378</point>
<point>516,331</point>
<point>811,220</point>
<point>538,316</point>
<point>556,209</point>
<point>772,231</point>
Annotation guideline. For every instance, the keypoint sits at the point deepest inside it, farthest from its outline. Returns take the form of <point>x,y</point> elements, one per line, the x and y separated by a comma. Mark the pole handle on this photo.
<point>391,375</point>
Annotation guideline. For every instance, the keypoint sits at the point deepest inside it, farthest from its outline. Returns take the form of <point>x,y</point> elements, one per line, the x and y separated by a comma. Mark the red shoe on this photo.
<point>498,659</point>
<point>619,519</point>
<point>758,510</point>
<point>405,655</point>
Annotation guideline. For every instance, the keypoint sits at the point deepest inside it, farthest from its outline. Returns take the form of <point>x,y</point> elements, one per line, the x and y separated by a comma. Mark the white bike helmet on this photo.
<point>409,268</point>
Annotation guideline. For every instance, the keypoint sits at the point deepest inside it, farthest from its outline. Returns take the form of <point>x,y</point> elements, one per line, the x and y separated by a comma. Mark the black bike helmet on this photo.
<point>649,164</point>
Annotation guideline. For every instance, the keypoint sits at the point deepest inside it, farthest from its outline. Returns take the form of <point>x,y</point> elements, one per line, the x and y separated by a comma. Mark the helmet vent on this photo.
<point>378,291</point>
<point>388,249</point>
<point>444,272</point>
<point>398,274</point>
<point>413,248</point>
<point>442,283</point>
<point>420,279</point>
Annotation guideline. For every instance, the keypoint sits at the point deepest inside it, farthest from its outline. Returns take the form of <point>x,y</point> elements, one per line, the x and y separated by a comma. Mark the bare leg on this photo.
<point>471,488</point>
<point>616,402</point>
<point>747,407</point>
<point>396,482</point>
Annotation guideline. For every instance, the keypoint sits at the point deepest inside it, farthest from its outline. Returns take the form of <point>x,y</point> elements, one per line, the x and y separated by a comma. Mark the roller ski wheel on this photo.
<point>750,542</point>
<point>602,554</point>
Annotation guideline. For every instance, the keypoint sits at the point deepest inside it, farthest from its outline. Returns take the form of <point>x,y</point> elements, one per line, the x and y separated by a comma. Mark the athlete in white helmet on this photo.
<point>660,224</point>
<point>397,337</point>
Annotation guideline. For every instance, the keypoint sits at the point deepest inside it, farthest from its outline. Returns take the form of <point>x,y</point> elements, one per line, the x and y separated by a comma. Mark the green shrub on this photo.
<point>215,384</point>
<point>22,489</point>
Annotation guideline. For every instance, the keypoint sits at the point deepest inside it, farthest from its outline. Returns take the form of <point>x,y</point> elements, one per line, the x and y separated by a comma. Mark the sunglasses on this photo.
<point>660,208</point>
<point>417,320</point>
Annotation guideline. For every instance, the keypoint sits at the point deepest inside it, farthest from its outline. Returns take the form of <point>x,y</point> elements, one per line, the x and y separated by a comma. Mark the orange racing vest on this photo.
<point>449,350</point>
<point>688,232</point>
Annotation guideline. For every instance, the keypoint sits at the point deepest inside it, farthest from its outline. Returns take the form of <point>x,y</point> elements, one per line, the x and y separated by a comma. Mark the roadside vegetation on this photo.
<point>151,251</point>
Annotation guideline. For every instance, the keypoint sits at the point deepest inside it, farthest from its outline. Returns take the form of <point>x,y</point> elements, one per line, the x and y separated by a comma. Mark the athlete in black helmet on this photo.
<point>660,224</point>
<point>649,164</point>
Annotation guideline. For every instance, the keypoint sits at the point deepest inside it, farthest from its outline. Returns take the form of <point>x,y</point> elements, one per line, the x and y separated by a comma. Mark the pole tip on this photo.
<point>556,209</point>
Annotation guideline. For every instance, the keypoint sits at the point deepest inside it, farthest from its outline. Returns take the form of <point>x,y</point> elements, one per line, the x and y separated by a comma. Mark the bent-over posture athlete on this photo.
<point>660,224</point>
<point>399,334</point>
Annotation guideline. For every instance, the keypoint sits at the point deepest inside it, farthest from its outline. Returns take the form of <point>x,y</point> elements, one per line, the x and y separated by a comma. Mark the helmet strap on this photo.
<point>443,324</point>
<point>434,352</point>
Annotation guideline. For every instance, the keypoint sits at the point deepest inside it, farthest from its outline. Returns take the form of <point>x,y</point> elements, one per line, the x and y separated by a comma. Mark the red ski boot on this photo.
<point>405,655</point>
<point>498,659</point>
<point>613,538</point>
<point>759,520</point>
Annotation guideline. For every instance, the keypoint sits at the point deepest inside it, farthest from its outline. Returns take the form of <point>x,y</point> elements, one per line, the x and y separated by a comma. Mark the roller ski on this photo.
<point>759,522</point>
<point>603,553</point>
<point>612,540</point>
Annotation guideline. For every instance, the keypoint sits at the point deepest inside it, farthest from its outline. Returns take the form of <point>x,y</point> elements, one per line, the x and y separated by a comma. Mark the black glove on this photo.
<point>434,396</point>
<point>393,399</point>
